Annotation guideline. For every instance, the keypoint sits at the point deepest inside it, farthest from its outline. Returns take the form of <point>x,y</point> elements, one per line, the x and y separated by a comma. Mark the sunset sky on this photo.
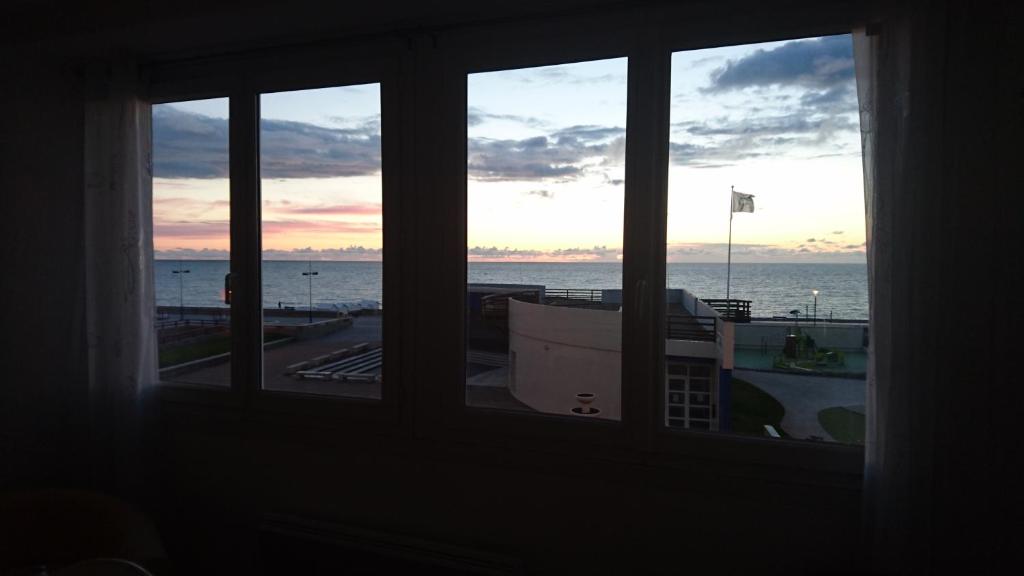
<point>546,163</point>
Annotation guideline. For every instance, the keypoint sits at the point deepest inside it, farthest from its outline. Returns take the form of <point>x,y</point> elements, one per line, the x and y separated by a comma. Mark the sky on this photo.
<point>545,163</point>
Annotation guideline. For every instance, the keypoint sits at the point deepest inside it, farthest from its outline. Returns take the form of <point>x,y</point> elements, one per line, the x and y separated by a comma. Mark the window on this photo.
<point>291,230</point>
<point>545,166</point>
<point>548,289</point>
<point>766,274</point>
<point>322,228</point>
<point>191,241</point>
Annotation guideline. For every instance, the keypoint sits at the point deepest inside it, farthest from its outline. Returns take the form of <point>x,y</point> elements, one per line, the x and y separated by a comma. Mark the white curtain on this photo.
<point>119,277</point>
<point>897,501</point>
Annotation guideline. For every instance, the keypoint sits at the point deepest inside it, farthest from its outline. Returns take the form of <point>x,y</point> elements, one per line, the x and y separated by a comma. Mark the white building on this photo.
<point>564,343</point>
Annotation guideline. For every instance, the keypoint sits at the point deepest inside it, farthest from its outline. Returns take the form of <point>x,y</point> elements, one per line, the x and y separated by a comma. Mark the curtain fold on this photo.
<point>900,77</point>
<point>119,278</point>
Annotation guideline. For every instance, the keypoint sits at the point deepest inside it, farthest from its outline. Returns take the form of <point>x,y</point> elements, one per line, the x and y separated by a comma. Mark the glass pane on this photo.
<point>677,369</point>
<point>320,177</point>
<point>766,270</point>
<point>546,151</point>
<point>191,241</point>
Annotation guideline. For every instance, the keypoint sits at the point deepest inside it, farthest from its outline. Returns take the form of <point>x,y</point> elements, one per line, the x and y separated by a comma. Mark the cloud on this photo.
<point>476,116</point>
<point>816,126</point>
<point>811,240</point>
<point>716,252</point>
<point>798,122</point>
<point>299,150</point>
<point>567,75</point>
<point>566,154</point>
<point>821,64</point>
<point>575,254</point>
<point>839,98</point>
<point>837,232</point>
<point>357,253</point>
<point>287,207</point>
<point>594,253</point>
<point>192,254</point>
<point>272,227</point>
<point>541,193</point>
<point>506,253</point>
<point>818,120</point>
<point>190,145</point>
<point>367,124</point>
<point>213,229</point>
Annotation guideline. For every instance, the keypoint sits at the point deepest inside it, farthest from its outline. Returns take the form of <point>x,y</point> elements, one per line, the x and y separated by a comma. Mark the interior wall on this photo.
<point>220,476</point>
<point>43,417</point>
<point>215,473</point>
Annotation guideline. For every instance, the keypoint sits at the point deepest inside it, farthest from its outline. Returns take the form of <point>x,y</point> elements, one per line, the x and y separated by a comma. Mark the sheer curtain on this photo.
<point>119,278</point>
<point>881,56</point>
<point>912,415</point>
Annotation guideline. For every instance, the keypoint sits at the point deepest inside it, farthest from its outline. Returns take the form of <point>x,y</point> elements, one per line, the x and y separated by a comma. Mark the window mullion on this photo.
<point>246,302</point>
<point>643,341</point>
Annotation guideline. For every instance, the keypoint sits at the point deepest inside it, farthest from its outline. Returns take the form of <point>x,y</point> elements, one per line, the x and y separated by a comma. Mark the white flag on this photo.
<point>742,202</point>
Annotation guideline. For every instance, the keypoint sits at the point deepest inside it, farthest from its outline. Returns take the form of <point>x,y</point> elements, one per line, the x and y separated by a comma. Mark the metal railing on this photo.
<point>163,324</point>
<point>583,294</point>
<point>695,328</point>
<point>496,305</point>
<point>731,309</point>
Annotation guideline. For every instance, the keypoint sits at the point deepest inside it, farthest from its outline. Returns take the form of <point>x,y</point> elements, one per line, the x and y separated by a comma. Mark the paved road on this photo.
<point>804,396</point>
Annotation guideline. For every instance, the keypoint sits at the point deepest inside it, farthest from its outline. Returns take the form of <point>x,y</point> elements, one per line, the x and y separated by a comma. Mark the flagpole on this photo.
<point>728,266</point>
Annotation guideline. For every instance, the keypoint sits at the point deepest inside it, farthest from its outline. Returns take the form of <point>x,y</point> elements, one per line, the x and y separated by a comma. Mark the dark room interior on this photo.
<point>100,460</point>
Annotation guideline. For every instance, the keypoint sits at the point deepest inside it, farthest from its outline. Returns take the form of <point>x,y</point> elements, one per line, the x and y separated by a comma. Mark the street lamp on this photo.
<point>815,292</point>
<point>310,274</point>
<point>181,289</point>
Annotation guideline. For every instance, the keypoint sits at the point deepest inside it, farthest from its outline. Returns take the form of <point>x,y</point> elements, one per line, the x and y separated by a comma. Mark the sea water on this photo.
<point>774,289</point>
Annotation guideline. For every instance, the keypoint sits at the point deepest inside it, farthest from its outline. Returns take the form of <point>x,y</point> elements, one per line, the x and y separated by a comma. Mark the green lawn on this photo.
<point>844,425</point>
<point>211,346</point>
<point>752,408</point>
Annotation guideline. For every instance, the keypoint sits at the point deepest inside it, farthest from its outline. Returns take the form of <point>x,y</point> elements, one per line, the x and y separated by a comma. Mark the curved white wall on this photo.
<point>559,352</point>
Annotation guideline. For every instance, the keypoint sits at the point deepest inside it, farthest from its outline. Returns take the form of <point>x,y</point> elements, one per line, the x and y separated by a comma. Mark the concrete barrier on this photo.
<point>843,337</point>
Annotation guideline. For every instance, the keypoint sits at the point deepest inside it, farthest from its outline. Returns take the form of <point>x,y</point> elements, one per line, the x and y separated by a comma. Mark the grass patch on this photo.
<point>210,346</point>
<point>752,408</point>
<point>844,425</point>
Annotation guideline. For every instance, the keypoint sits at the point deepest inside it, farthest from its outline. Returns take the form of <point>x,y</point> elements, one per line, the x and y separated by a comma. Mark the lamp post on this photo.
<point>181,289</point>
<point>310,274</point>
<point>815,292</point>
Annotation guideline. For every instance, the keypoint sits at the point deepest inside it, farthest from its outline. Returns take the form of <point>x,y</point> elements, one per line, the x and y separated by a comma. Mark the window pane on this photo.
<point>546,151</point>
<point>767,287</point>
<point>191,240</point>
<point>320,169</point>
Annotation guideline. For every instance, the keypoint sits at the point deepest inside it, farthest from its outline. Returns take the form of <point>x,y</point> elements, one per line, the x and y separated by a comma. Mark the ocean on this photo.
<point>774,289</point>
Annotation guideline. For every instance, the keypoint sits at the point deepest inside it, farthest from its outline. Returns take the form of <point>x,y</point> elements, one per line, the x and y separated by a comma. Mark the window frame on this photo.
<point>243,79</point>
<point>505,46</point>
<point>428,138</point>
<point>696,28</point>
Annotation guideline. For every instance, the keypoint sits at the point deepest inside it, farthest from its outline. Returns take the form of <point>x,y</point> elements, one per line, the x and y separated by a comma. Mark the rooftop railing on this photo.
<point>584,294</point>
<point>695,328</point>
<point>731,309</point>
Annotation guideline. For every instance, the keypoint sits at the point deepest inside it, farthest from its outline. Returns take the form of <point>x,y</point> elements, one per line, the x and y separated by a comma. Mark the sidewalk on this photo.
<point>804,396</point>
